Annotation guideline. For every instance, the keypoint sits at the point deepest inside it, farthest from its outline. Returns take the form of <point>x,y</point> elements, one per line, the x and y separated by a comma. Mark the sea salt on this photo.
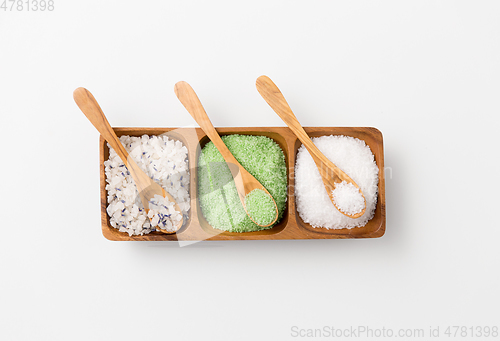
<point>355,158</point>
<point>165,161</point>
<point>219,200</point>
<point>348,198</point>
<point>260,207</point>
<point>163,215</point>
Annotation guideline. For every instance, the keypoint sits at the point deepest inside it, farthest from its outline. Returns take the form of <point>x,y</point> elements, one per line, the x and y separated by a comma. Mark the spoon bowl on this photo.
<point>146,187</point>
<point>244,181</point>
<point>330,173</point>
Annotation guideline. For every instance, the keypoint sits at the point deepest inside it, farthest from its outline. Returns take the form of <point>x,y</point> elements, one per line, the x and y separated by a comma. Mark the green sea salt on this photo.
<point>260,156</point>
<point>260,207</point>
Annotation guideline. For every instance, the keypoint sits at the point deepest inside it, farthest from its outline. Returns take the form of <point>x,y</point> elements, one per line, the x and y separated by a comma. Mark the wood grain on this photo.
<point>146,187</point>
<point>330,173</point>
<point>243,180</point>
<point>291,226</point>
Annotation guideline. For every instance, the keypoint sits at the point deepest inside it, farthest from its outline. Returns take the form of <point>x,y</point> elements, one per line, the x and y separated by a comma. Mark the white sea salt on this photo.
<point>355,158</point>
<point>348,198</point>
<point>165,161</point>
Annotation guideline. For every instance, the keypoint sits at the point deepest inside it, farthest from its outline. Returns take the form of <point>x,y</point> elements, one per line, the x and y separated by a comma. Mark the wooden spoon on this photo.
<point>243,180</point>
<point>145,185</point>
<point>330,173</point>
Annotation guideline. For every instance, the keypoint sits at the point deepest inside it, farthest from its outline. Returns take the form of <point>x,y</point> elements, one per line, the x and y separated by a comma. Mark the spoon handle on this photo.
<point>273,96</point>
<point>89,106</point>
<point>192,103</point>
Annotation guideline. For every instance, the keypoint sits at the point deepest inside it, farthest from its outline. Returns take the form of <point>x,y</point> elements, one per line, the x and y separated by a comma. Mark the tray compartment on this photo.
<point>376,226</point>
<point>282,142</point>
<point>109,231</point>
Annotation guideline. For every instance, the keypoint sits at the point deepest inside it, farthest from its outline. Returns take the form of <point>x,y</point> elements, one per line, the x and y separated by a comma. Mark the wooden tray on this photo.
<point>291,225</point>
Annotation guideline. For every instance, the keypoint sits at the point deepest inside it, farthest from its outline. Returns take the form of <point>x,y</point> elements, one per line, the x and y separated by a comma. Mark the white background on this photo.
<point>426,73</point>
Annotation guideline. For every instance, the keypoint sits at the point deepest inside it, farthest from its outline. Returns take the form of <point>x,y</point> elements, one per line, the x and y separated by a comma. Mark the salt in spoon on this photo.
<point>330,173</point>
<point>146,187</point>
<point>243,180</point>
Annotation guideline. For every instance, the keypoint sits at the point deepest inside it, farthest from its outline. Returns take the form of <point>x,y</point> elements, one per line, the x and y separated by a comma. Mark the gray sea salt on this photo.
<point>163,215</point>
<point>164,160</point>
